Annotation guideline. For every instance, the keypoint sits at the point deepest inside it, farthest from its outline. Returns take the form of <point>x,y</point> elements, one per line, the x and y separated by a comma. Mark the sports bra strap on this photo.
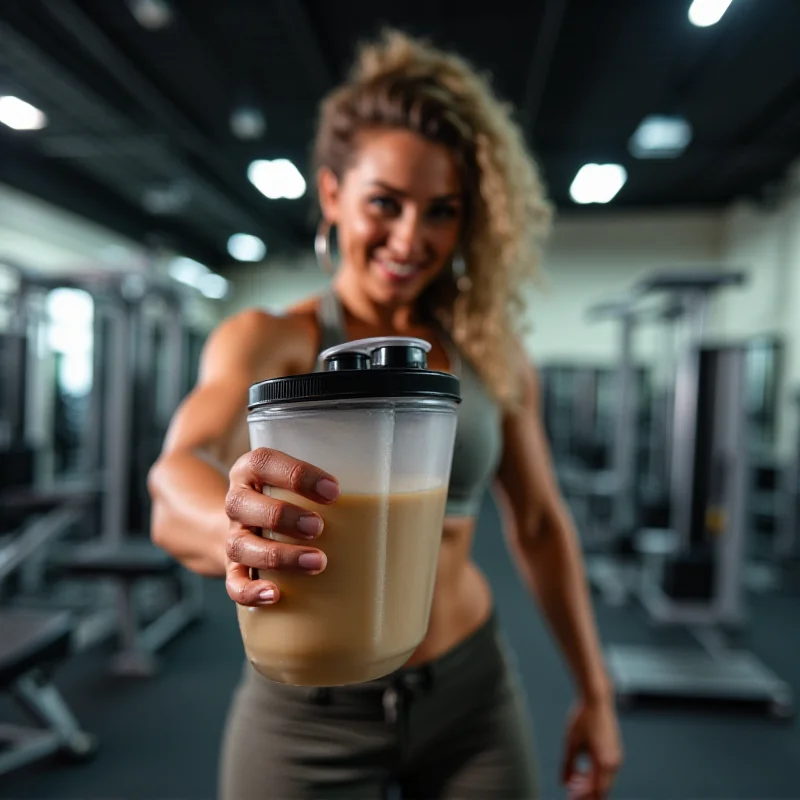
<point>330,320</point>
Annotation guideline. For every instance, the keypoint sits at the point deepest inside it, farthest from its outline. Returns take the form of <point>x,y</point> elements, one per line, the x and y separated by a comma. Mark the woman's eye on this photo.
<point>443,212</point>
<point>384,203</point>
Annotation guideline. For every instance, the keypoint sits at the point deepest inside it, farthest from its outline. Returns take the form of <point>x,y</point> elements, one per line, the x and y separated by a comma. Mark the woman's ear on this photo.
<point>328,190</point>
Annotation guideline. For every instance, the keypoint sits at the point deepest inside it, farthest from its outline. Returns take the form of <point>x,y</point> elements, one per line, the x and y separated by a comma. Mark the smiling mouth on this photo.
<point>399,272</point>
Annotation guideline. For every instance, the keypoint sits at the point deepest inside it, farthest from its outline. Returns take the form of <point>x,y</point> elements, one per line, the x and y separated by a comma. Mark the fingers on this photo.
<point>241,589</point>
<point>247,506</point>
<point>249,550</point>
<point>266,467</point>
<point>256,510</point>
<point>580,788</point>
<point>571,755</point>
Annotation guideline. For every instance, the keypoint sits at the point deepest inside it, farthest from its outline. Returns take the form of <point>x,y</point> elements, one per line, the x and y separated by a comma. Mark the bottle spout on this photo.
<point>392,352</point>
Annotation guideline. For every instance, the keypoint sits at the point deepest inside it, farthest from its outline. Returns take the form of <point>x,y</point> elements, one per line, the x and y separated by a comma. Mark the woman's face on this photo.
<point>398,212</point>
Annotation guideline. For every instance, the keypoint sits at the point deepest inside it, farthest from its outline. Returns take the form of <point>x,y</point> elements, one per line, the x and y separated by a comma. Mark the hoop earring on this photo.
<point>322,247</point>
<point>459,266</point>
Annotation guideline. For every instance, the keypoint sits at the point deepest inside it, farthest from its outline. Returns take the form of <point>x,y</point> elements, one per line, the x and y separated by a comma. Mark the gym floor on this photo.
<point>159,737</point>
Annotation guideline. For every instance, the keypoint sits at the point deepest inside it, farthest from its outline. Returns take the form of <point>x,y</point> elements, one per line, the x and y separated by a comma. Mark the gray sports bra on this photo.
<point>478,436</point>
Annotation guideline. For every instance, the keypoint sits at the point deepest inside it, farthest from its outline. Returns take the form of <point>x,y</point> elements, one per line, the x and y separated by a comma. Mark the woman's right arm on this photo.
<point>189,482</point>
<point>208,517</point>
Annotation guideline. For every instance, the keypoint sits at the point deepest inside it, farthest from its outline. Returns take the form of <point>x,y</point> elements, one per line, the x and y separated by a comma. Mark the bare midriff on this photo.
<point>462,600</point>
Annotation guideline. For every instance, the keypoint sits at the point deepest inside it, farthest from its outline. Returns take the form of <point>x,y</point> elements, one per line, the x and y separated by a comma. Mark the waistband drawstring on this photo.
<point>399,694</point>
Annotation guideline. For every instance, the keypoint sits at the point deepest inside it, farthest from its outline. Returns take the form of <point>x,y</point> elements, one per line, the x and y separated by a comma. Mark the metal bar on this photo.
<point>177,354</point>
<point>128,627</point>
<point>35,746</point>
<point>539,71</point>
<point>12,386</point>
<point>35,535</point>
<point>90,457</point>
<point>168,625</point>
<point>305,41</point>
<point>134,659</point>
<point>731,446</point>
<point>625,433</point>
<point>19,733</point>
<point>684,441</point>
<point>702,279</point>
<point>95,628</point>
<point>786,545</point>
<point>697,315</point>
<point>116,427</point>
<point>102,146</point>
<point>44,701</point>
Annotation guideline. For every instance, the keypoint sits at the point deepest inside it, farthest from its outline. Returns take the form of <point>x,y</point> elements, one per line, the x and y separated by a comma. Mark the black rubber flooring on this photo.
<point>159,737</point>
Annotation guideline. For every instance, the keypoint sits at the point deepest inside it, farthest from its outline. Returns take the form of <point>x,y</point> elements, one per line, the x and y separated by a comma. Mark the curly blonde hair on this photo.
<point>403,82</point>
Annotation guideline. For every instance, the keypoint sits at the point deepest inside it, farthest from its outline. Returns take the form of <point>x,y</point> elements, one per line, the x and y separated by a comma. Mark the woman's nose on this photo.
<point>406,238</point>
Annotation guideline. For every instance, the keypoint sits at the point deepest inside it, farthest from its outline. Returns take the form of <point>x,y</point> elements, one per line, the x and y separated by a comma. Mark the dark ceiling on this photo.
<point>132,110</point>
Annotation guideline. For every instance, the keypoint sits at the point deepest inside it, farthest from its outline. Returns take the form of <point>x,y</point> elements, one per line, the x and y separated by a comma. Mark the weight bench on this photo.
<point>46,514</point>
<point>32,643</point>
<point>125,565</point>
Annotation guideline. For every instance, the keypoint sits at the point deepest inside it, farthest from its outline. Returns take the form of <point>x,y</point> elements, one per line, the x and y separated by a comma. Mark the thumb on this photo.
<point>602,775</point>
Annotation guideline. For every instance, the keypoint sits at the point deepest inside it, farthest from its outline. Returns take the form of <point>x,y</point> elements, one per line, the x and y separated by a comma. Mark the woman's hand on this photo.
<point>249,510</point>
<point>593,732</point>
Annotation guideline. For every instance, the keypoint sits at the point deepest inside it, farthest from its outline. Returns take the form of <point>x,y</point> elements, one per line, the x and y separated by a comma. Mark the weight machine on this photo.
<point>137,382</point>
<point>692,571</point>
<point>642,464</point>
<point>787,545</point>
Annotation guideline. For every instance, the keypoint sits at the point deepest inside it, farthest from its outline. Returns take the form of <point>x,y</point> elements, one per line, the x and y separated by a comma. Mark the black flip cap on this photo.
<point>404,357</point>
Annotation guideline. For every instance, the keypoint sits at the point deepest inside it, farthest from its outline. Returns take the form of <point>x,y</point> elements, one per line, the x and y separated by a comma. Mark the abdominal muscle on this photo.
<point>462,600</point>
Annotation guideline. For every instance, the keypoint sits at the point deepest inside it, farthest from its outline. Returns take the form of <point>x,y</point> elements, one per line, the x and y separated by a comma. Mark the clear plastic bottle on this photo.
<point>384,425</point>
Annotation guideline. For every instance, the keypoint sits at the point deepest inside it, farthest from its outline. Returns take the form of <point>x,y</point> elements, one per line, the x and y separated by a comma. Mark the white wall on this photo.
<point>589,260</point>
<point>753,239</point>
<point>44,237</point>
<point>273,285</point>
<point>766,241</point>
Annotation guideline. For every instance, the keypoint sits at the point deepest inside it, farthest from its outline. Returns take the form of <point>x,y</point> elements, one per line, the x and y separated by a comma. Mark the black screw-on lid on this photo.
<point>389,367</point>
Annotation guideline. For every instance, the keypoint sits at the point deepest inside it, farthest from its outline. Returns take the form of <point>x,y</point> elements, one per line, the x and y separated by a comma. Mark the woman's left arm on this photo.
<point>545,545</point>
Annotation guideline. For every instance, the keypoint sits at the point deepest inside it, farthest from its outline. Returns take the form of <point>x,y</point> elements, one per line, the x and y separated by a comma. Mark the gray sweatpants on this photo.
<point>454,729</point>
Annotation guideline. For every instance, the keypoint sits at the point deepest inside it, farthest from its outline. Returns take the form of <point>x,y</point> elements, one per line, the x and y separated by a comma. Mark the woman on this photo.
<point>438,209</point>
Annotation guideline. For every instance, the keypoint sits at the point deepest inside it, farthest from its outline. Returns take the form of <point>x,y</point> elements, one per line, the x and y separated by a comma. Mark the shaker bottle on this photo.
<point>384,425</point>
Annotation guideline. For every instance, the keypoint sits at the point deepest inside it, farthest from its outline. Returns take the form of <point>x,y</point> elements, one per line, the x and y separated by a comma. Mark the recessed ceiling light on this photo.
<point>703,13</point>
<point>247,123</point>
<point>151,14</point>
<point>597,183</point>
<point>277,179</point>
<point>187,270</point>
<point>213,286</point>
<point>244,247</point>
<point>198,276</point>
<point>660,137</point>
<point>19,115</point>
<point>168,198</point>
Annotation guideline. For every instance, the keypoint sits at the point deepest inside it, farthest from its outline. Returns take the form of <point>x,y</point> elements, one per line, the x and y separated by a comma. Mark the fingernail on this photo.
<point>309,524</point>
<point>311,561</point>
<point>328,489</point>
<point>268,595</point>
